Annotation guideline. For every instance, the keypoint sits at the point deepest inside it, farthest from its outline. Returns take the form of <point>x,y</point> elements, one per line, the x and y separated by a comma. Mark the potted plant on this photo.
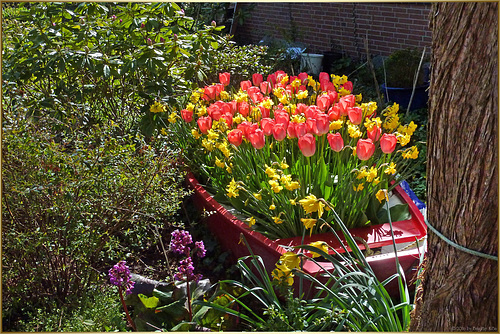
<point>405,79</point>
<point>274,149</point>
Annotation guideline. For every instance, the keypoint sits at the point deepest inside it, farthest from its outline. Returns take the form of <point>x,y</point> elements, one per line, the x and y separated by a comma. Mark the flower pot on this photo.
<point>229,229</point>
<point>402,96</point>
<point>311,63</point>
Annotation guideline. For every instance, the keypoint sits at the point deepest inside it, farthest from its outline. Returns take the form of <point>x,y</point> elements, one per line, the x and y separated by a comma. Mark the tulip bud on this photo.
<point>149,41</point>
<point>214,24</point>
<point>143,25</point>
<point>113,17</point>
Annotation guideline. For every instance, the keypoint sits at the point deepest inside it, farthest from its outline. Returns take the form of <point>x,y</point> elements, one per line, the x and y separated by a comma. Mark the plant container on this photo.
<point>229,230</point>
<point>311,63</point>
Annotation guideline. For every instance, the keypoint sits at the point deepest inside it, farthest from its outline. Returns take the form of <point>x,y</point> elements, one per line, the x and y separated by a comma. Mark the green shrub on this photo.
<point>401,67</point>
<point>74,204</point>
<point>100,60</point>
<point>98,311</point>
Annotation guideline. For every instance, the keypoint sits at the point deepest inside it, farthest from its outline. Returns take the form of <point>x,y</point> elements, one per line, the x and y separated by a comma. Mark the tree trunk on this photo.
<point>460,290</point>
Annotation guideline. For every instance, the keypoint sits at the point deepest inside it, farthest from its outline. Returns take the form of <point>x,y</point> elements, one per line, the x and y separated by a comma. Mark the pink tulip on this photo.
<point>303,77</point>
<point>235,137</point>
<point>348,86</point>
<point>228,118</point>
<point>245,85</point>
<point>209,93</point>
<point>243,108</point>
<point>267,125</point>
<point>281,116</point>
<point>307,145</point>
<point>224,78</point>
<point>311,126</point>
<point>334,113</point>
<point>323,102</point>
<point>257,79</point>
<point>355,115</point>
<point>365,149</point>
<point>374,134</point>
<point>272,79</point>
<point>205,124</point>
<point>345,103</point>
<point>388,143</point>
<point>279,131</point>
<point>257,139</point>
<point>187,115</point>
<point>336,141</point>
<point>214,111</point>
<point>322,124</point>
<point>323,76</point>
<point>265,87</point>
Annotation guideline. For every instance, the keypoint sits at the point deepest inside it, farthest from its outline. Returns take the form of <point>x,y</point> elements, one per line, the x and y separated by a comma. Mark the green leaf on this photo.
<point>149,302</point>
<point>398,213</point>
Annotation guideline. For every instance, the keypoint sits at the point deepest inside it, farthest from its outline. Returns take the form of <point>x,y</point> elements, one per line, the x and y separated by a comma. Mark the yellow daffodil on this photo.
<point>293,202</point>
<point>251,221</point>
<point>172,118</point>
<point>277,220</point>
<point>232,189</point>
<point>381,195</point>
<point>360,187</point>
<point>202,111</point>
<point>290,260</point>
<point>257,196</point>
<point>291,186</point>
<point>272,207</point>
<point>196,134</point>
<point>336,125</point>
<point>411,153</point>
<point>372,174</point>
<point>321,245</point>
<point>282,272</point>
<point>391,169</point>
<point>312,204</point>
<point>309,223</point>
<point>302,94</point>
<point>354,131</point>
<point>156,107</point>
<point>219,163</point>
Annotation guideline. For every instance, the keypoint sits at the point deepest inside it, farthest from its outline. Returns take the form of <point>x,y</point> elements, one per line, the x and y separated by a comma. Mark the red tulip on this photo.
<point>348,86</point>
<point>265,87</point>
<point>187,115</point>
<point>218,88</point>
<point>247,127</point>
<point>303,77</point>
<point>388,143</point>
<point>279,131</point>
<point>336,141</point>
<point>323,102</point>
<point>243,108</point>
<point>311,126</point>
<point>257,79</point>
<point>252,90</point>
<point>271,78</point>
<point>205,124</point>
<point>300,129</point>
<point>256,97</point>
<point>365,149</point>
<point>233,106</point>
<point>301,108</point>
<point>333,96</point>
<point>311,111</point>
<point>346,102</point>
<point>281,116</point>
<point>245,85</point>
<point>355,115</point>
<point>209,93</point>
<point>326,86</point>
<point>235,137</point>
<point>214,111</point>
<point>374,134</point>
<point>267,125</point>
<point>224,78</point>
<point>307,145</point>
<point>334,113</point>
<point>257,139</point>
<point>322,124</point>
<point>323,76</point>
<point>228,118</point>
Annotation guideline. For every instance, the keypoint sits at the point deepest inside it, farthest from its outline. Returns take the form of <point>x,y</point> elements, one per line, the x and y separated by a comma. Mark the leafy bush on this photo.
<point>401,67</point>
<point>100,60</point>
<point>72,204</point>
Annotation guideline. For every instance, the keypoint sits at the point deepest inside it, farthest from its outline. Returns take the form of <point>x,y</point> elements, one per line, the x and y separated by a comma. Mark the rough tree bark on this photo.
<point>460,291</point>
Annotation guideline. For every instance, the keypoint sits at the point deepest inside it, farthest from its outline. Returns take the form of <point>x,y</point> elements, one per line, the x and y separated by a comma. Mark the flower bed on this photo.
<point>229,230</point>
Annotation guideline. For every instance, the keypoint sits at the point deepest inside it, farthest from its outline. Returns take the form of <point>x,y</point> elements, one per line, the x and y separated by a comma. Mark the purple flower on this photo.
<point>186,271</point>
<point>179,242</point>
<point>120,276</point>
<point>200,249</point>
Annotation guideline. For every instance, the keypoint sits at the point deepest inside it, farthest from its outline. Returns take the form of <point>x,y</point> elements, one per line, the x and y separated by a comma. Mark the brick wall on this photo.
<point>342,27</point>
